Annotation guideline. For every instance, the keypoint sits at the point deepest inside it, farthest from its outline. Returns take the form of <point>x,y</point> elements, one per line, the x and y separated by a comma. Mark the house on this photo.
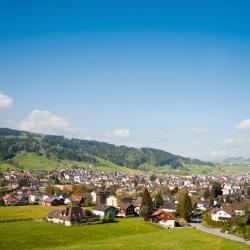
<point>70,216</point>
<point>220,214</point>
<point>53,201</point>
<point>126,210</point>
<point>164,218</point>
<point>102,210</point>
<point>112,201</point>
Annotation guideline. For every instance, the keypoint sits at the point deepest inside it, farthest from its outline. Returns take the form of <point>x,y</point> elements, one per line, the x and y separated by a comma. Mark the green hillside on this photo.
<point>48,151</point>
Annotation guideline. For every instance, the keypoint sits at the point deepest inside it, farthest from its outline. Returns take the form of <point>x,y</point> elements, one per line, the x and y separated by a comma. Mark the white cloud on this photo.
<point>5,101</point>
<point>199,130</point>
<point>243,125</point>
<point>218,153</point>
<point>124,133</point>
<point>43,121</point>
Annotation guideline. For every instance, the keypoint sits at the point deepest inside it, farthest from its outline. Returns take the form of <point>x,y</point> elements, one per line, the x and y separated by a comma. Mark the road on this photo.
<point>216,231</point>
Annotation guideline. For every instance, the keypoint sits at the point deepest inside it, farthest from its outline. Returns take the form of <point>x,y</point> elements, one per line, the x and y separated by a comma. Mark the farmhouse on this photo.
<point>164,218</point>
<point>68,217</point>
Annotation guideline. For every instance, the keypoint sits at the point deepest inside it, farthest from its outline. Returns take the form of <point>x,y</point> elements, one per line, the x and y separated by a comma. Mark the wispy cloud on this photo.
<point>5,101</point>
<point>243,125</point>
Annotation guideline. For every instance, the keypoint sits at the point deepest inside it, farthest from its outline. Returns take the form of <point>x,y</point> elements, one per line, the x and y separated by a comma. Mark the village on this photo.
<point>91,197</point>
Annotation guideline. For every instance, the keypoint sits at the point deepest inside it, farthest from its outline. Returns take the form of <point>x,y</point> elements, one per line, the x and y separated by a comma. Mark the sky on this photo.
<point>173,75</point>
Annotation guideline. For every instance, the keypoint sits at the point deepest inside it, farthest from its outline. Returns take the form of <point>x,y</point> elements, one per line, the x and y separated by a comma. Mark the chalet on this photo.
<point>102,210</point>
<point>164,218</point>
<point>126,210</point>
<point>70,216</point>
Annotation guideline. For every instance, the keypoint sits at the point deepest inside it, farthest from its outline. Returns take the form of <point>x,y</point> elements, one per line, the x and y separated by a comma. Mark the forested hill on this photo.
<point>13,142</point>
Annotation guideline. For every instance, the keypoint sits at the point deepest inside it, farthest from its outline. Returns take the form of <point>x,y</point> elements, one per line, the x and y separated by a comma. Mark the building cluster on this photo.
<point>119,194</point>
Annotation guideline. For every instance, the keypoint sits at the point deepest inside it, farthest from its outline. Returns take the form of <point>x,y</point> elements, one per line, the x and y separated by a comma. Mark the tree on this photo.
<point>146,205</point>
<point>146,199</point>
<point>159,201</point>
<point>216,189</point>
<point>184,207</point>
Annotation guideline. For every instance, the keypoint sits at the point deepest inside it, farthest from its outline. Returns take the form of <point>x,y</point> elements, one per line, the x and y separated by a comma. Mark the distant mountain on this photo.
<point>13,142</point>
<point>235,161</point>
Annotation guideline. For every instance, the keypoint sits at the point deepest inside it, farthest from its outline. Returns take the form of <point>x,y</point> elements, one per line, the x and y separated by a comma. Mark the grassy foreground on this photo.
<point>131,233</point>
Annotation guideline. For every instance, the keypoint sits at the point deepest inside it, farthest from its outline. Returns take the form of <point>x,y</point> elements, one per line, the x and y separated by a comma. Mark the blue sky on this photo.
<point>167,74</point>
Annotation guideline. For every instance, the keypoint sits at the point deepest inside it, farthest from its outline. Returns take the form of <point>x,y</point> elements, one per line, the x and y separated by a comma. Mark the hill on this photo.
<point>51,148</point>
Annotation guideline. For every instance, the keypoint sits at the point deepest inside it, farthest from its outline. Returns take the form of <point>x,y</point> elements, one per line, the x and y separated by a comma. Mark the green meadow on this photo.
<point>132,233</point>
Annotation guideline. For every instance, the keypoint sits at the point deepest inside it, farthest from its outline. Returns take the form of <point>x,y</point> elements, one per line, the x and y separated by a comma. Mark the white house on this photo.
<point>218,214</point>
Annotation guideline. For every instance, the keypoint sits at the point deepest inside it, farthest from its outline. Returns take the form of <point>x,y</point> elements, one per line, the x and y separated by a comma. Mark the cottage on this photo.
<point>102,210</point>
<point>164,218</point>
<point>126,210</point>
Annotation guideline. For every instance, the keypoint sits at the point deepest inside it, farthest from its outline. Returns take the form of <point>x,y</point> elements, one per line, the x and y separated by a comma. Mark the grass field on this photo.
<point>132,233</point>
<point>24,212</point>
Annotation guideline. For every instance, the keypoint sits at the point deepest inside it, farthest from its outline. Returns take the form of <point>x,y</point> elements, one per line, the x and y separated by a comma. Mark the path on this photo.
<point>216,231</point>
